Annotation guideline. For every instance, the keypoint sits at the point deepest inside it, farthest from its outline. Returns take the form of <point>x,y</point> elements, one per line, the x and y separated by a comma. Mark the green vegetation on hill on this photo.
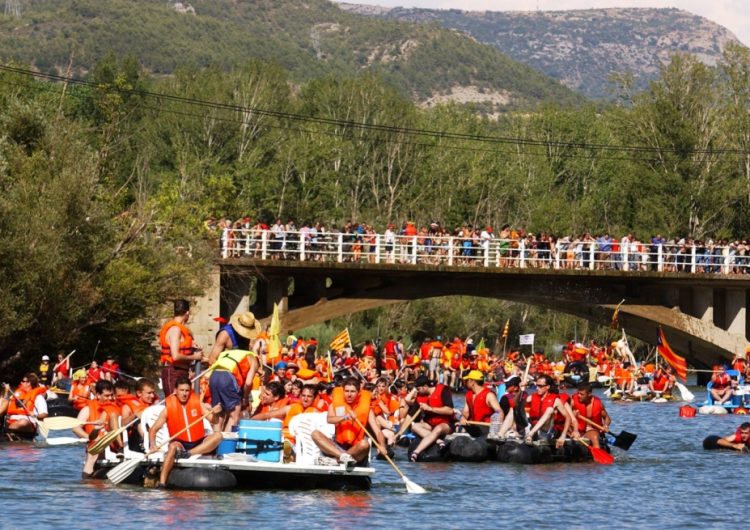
<point>103,191</point>
<point>308,39</point>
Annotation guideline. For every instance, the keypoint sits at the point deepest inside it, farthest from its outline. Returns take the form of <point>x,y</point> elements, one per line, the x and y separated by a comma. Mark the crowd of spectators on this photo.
<point>474,245</point>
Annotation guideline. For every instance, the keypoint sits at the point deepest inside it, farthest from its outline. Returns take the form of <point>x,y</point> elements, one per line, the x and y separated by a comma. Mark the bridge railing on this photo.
<point>495,252</point>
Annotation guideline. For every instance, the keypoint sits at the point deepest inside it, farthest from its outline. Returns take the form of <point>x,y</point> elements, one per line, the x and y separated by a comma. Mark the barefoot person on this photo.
<point>181,412</point>
<point>102,413</point>
<point>586,405</point>
<point>437,418</point>
<point>350,444</point>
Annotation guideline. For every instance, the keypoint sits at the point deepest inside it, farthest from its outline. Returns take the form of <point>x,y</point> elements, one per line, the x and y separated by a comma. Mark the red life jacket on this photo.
<point>660,383</point>
<point>559,422</point>
<point>738,438</point>
<point>434,400</point>
<point>479,410</point>
<point>583,410</point>
<point>186,342</point>
<point>538,405</point>
<point>180,416</point>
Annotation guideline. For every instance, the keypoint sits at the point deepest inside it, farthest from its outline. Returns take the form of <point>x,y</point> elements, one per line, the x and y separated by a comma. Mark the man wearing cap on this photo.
<point>437,414</point>
<point>481,404</point>
<point>177,348</point>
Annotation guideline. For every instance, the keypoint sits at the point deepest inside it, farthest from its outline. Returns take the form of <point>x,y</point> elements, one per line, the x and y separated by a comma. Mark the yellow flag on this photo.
<point>341,341</point>
<point>274,342</point>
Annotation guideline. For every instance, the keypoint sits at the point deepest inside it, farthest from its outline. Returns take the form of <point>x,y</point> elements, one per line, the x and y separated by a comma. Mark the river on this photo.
<point>666,480</point>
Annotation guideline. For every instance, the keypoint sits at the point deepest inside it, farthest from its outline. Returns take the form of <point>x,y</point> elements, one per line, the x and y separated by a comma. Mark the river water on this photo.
<point>666,480</point>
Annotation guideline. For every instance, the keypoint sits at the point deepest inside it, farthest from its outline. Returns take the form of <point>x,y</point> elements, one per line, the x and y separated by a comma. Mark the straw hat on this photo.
<point>245,325</point>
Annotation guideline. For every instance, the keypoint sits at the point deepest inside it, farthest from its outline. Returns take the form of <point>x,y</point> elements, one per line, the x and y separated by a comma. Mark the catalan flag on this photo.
<point>506,329</point>
<point>341,341</point>
<point>675,361</point>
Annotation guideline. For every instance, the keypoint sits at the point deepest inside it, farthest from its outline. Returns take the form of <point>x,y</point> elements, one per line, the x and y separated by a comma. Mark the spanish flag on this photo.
<point>675,361</point>
<point>341,341</point>
<point>506,329</point>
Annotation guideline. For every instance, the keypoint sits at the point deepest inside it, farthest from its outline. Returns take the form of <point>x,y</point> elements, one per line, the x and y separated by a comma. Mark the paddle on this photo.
<point>60,423</point>
<point>411,487</point>
<point>123,470</point>
<point>104,442</point>
<point>623,440</point>
<point>58,441</point>
<point>407,423</point>
<point>687,395</point>
<point>599,455</point>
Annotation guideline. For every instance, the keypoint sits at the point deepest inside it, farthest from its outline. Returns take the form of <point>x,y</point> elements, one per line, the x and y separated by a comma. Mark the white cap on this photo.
<point>45,357</point>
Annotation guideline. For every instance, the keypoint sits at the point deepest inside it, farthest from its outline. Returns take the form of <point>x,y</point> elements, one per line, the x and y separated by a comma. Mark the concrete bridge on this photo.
<point>703,315</point>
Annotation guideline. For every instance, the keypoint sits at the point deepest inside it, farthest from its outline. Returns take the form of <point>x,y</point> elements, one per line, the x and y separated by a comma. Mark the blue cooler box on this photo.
<point>261,439</point>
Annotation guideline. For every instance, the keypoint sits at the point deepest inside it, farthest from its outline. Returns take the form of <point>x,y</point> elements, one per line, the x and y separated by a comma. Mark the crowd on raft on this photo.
<point>368,393</point>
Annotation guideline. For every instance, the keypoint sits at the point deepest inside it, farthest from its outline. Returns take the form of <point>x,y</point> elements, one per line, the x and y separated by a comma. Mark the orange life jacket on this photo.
<point>349,432</point>
<point>26,405</point>
<point>294,410</point>
<point>133,403</point>
<point>276,405</point>
<point>180,416</point>
<point>186,341</point>
<point>81,390</point>
<point>385,405</point>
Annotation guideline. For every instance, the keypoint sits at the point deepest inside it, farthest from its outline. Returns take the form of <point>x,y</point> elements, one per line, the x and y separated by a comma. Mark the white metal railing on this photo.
<point>490,252</point>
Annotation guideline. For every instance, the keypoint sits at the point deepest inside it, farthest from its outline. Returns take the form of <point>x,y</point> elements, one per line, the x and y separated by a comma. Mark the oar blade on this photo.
<point>413,487</point>
<point>61,441</point>
<point>624,440</point>
<point>103,442</point>
<point>122,471</point>
<point>601,456</point>
<point>42,429</point>
<point>687,395</point>
<point>59,423</point>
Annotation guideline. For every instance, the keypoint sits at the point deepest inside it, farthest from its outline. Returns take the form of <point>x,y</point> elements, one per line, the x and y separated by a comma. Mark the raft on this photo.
<point>240,471</point>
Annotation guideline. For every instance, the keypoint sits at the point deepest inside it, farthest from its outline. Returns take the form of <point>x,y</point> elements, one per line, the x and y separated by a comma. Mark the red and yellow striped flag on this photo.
<point>506,329</point>
<point>341,341</point>
<point>675,361</point>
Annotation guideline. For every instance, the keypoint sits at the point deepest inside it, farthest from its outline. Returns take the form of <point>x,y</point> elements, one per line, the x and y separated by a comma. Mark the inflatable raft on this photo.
<point>465,448</point>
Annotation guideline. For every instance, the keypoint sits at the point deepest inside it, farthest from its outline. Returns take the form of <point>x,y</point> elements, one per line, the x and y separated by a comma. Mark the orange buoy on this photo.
<point>740,410</point>
<point>687,411</point>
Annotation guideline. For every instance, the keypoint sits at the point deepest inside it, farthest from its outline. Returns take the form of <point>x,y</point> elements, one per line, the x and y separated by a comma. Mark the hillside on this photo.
<point>581,48</point>
<point>309,39</point>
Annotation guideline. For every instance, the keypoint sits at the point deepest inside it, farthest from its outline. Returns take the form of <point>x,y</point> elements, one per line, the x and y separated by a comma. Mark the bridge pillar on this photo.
<point>703,304</point>
<point>204,310</point>
<point>270,290</point>
<point>235,293</point>
<point>736,311</point>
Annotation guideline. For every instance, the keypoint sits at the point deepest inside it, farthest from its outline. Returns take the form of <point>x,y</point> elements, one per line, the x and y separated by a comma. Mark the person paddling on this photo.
<point>481,404</point>
<point>586,405</point>
<point>26,406</point>
<point>739,441</point>
<point>101,414</point>
<point>181,410</point>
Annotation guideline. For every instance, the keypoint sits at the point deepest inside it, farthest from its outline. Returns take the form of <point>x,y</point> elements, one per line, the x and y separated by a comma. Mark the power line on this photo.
<point>518,141</point>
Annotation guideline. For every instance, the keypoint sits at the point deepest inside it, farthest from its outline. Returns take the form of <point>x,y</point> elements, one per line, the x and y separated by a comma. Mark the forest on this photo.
<point>106,182</point>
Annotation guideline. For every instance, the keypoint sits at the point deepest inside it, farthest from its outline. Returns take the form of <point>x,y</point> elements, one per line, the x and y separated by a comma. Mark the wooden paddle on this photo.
<point>123,470</point>
<point>411,487</point>
<point>623,440</point>
<point>60,423</point>
<point>407,423</point>
<point>104,442</point>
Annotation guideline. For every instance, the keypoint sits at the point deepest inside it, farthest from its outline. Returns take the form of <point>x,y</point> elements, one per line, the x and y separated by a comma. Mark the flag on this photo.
<point>274,330</point>
<point>341,341</point>
<point>481,345</point>
<point>675,361</point>
<point>526,339</point>
<point>615,322</point>
<point>506,329</point>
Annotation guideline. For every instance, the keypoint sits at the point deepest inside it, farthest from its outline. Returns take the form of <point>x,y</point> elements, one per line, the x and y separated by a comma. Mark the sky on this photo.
<point>732,14</point>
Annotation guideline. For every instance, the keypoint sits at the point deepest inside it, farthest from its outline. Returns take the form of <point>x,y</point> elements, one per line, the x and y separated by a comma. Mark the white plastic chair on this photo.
<point>301,427</point>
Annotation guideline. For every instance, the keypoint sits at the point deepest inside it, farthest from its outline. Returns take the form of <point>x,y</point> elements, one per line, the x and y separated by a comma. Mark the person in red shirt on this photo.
<point>110,370</point>
<point>94,373</point>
